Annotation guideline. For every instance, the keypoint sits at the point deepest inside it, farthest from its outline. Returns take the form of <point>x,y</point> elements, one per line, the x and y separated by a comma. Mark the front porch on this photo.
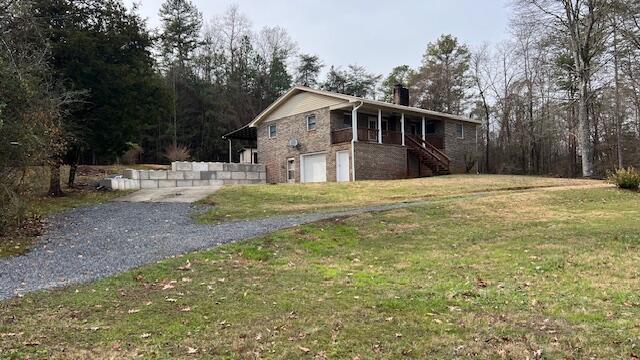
<point>383,127</point>
<point>406,144</point>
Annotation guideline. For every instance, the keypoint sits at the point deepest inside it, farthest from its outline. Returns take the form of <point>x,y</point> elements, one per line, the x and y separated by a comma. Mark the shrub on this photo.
<point>131,156</point>
<point>628,178</point>
<point>11,208</point>
<point>177,153</point>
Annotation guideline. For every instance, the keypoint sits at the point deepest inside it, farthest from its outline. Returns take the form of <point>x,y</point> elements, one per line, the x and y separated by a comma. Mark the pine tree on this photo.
<point>181,23</point>
<point>308,70</point>
<point>441,81</point>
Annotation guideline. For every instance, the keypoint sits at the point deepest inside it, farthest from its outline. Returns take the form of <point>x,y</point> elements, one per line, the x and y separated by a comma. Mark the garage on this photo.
<point>314,167</point>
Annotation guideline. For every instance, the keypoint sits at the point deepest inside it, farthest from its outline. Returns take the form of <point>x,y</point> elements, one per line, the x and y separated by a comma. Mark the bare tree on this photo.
<point>482,79</point>
<point>584,23</point>
<point>275,42</point>
<point>229,30</point>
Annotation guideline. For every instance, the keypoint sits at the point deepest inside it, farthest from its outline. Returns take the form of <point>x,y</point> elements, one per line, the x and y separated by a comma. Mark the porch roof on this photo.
<point>349,101</point>
<point>243,133</point>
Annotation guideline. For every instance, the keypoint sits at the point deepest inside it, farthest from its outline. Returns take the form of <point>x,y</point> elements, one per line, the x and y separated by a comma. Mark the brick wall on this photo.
<point>373,161</point>
<point>274,152</point>
<point>331,160</point>
<point>380,161</point>
<point>459,149</point>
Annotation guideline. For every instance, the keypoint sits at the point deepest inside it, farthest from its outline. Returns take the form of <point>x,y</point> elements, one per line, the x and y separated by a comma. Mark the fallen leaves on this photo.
<point>11,334</point>
<point>304,349</point>
<point>169,285</point>
<point>186,266</point>
<point>480,283</point>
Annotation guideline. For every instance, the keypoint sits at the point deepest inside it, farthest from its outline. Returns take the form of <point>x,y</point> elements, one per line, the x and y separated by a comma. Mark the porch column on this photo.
<point>230,151</point>
<point>424,130</point>
<point>379,126</point>
<point>354,123</point>
<point>402,127</point>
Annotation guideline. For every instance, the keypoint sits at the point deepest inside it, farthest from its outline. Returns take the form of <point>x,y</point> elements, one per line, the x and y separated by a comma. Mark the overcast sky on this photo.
<point>376,34</point>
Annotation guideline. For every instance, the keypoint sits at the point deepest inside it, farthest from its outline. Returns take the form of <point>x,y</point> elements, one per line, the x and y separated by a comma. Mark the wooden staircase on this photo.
<point>429,155</point>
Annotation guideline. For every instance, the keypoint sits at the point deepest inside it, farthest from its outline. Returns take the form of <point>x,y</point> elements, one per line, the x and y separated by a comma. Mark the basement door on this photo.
<point>314,167</point>
<point>342,165</point>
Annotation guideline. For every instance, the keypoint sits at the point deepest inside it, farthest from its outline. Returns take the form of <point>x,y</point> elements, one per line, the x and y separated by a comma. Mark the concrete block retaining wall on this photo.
<point>184,174</point>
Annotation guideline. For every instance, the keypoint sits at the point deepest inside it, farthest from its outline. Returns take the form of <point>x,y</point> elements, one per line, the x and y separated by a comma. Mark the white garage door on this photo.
<point>314,168</point>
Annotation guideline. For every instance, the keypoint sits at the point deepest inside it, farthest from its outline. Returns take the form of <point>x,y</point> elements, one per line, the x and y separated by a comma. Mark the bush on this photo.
<point>177,153</point>
<point>628,178</point>
<point>131,156</point>
<point>12,209</point>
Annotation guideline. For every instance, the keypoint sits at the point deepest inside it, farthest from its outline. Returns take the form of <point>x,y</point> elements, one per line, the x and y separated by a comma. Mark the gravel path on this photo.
<point>92,242</point>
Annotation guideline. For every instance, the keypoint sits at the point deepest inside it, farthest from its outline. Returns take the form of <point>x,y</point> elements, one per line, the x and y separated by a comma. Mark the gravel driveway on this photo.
<point>92,242</point>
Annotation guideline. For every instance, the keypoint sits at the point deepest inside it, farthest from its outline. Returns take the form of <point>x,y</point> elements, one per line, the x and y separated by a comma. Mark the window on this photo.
<point>373,122</point>
<point>272,130</point>
<point>291,170</point>
<point>385,124</point>
<point>431,127</point>
<point>311,122</point>
<point>346,120</point>
<point>255,157</point>
<point>460,131</point>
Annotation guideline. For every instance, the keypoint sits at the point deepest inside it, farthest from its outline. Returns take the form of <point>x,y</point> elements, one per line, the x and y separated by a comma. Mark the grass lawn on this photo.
<point>534,274</point>
<point>256,201</point>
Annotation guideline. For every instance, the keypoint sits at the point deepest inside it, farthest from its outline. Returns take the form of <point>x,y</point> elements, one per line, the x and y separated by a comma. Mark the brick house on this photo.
<point>308,135</point>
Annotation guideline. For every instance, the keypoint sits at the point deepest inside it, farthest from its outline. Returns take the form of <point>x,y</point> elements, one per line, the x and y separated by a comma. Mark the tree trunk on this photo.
<point>486,150</point>
<point>73,159</point>
<point>618,114</point>
<point>72,174</point>
<point>586,147</point>
<point>54,181</point>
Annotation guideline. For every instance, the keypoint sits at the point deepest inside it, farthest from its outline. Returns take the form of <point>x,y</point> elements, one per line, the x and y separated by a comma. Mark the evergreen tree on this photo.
<point>181,23</point>
<point>360,82</point>
<point>279,79</point>
<point>354,81</point>
<point>336,81</point>
<point>442,80</point>
<point>100,49</point>
<point>308,70</point>
<point>398,75</point>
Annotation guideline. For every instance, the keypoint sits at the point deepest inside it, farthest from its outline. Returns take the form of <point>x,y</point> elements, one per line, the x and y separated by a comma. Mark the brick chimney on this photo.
<point>400,95</point>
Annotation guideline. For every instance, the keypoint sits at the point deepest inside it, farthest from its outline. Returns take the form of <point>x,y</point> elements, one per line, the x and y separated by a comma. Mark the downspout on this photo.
<point>354,138</point>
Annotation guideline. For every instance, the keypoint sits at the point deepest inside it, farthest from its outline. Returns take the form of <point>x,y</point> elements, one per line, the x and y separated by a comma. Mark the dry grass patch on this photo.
<point>254,201</point>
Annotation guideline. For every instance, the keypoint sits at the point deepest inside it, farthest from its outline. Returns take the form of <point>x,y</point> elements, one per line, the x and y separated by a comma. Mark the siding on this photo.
<point>302,103</point>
